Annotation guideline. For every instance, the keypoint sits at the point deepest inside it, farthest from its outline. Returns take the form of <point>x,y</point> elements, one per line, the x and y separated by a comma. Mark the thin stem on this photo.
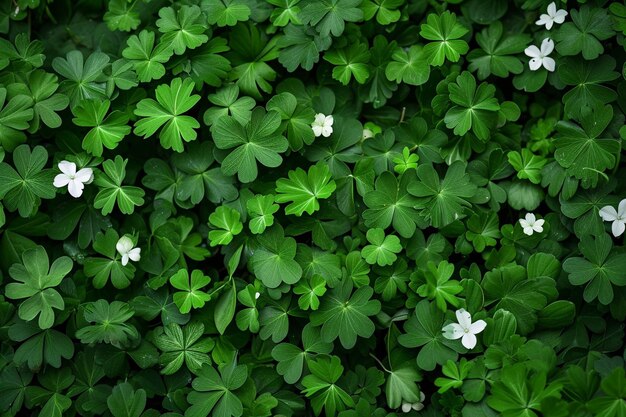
<point>402,115</point>
<point>380,363</point>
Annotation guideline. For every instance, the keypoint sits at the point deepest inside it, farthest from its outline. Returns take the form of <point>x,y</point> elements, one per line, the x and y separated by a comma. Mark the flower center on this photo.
<point>466,330</point>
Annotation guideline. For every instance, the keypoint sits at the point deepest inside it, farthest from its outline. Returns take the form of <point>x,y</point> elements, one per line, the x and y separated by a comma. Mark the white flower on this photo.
<point>618,217</point>
<point>540,57</point>
<point>75,181</point>
<point>257,295</point>
<point>367,133</point>
<point>323,125</point>
<point>530,224</point>
<point>125,248</point>
<point>407,407</point>
<point>465,329</point>
<point>553,16</point>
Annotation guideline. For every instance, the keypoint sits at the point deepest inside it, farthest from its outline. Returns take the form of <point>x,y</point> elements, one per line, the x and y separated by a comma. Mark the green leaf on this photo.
<point>345,315</point>
<point>112,191</point>
<point>106,131</point>
<point>600,269</point>
<point>23,188</point>
<point>273,262</point>
<point>109,267</point>
<point>147,59</point>
<point>329,16</point>
<point>228,103</point>
<point>296,117</point>
<point>14,117</point>
<point>120,16</point>
<point>304,190</point>
<point>498,53</point>
<point>584,33</point>
<point>321,386</point>
<point>225,12</point>
<point>401,386</point>
<point>226,219</point>
<point>109,323</point>
<point>385,11</point>
<point>410,66</point>
<point>261,210</point>
<point>439,287</point>
<point>445,32</point>
<point>167,114</point>
<point>527,165</point>
<point>83,78</point>
<point>383,249</point>
<point>225,309</point>
<point>310,290</point>
<point>191,294</point>
<point>36,282</point>
<point>183,29</point>
<point>184,345</point>
<point>443,200</point>
<point>348,62</point>
<point>124,401</point>
<point>213,393</point>
<point>475,107</point>
<point>258,140</point>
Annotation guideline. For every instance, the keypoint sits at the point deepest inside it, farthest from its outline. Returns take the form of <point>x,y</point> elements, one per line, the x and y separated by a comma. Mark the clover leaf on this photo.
<point>109,323</point>
<point>227,221</point>
<point>191,294</point>
<point>329,16</point>
<point>182,29</point>
<point>37,279</point>
<point>498,52</point>
<point>83,78</point>
<point>303,190</point>
<point>383,249</point>
<point>183,346</point>
<point>258,140</point>
<point>273,262</point>
<point>350,62</point>
<point>599,269</point>
<point>213,391</point>
<point>345,315</point>
<point>583,34</point>
<point>261,209</point>
<point>445,32</point>
<point>107,131</point>
<point>167,114</point>
<point>14,117</point>
<point>146,58</point>
<point>225,12</point>
<point>321,386</point>
<point>109,267</point>
<point>112,191</point>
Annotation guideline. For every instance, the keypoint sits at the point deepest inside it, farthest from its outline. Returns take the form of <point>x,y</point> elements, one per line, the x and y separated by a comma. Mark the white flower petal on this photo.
<point>608,213</point>
<point>618,228</point>
<point>530,218</point>
<point>319,118</point>
<point>124,245</point>
<point>621,209</point>
<point>329,120</point>
<point>84,175</point>
<point>528,231</point>
<point>549,24</point>
<point>464,318</point>
<point>68,168</point>
<point>524,223</point>
<point>134,254</point>
<point>75,188</point>
<point>367,134</point>
<point>478,326</point>
<point>547,46</point>
<point>532,51</point>
<point>327,131</point>
<point>544,19</point>
<point>417,406</point>
<point>551,9</point>
<point>124,260</point>
<point>559,17</point>
<point>453,331</point>
<point>317,130</point>
<point>61,180</point>
<point>406,407</point>
<point>469,341</point>
<point>534,64</point>
<point>549,64</point>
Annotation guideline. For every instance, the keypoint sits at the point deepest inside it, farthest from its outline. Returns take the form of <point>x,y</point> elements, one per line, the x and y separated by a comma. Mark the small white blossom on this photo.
<point>257,295</point>
<point>618,217</point>
<point>74,181</point>
<point>464,329</point>
<point>322,125</point>
<point>530,224</point>
<point>407,407</point>
<point>126,248</point>
<point>540,57</point>
<point>367,133</point>
<point>553,16</point>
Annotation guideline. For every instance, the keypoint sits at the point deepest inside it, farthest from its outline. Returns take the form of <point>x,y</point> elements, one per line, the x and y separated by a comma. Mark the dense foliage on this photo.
<point>312,207</point>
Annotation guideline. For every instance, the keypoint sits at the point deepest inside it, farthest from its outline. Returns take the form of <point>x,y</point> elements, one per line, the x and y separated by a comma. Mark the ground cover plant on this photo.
<point>312,207</point>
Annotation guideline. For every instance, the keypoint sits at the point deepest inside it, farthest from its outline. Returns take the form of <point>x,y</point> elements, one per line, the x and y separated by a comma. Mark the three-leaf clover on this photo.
<point>258,140</point>
<point>410,67</point>
<point>191,294</point>
<point>383,249</point>
<point>273,262</point>
<point>446,34</point>
<point>226,219</point>
<point>497,55</point>
<point>112,191</point>
<point>109,323</point>
<point>213,392</point>
<point>589,26</point>
<point>321,386</point>
<point>37,279</point>
<point>84,78</point>
<point>14,117</point>
<point>346,315</point>
<point>183,346</point>
<point>304,190</point>
<point>438,285</point>
<point>109,267</point>
<point>23,188</point>
<point>166,113</point>
<point>476,108</point>
<point>225,12</point>
<point>107,131</point>
<point>182,29</point>
<point>261,209</point>
<point>147,59</point>
<point>330,16</point>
